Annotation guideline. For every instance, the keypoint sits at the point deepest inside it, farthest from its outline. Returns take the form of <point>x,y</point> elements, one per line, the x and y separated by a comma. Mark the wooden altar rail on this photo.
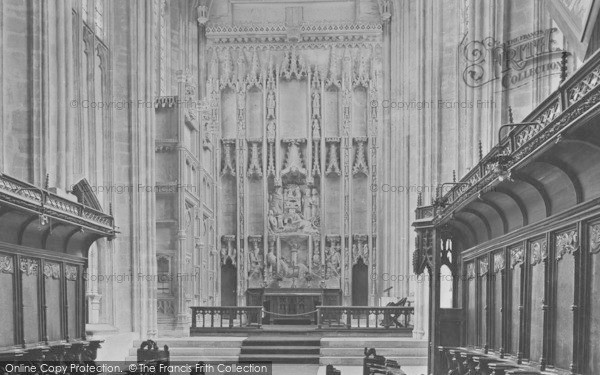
<point>232,316</point>
<point>369,317</point>
<point>328,317</point>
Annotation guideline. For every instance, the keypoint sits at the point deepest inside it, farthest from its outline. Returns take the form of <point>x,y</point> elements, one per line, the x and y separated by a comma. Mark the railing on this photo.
<point>328,317</point>
<point>47,203</point>
<point>352,317</point>
<point>576,95</point>
<point>226,317</point>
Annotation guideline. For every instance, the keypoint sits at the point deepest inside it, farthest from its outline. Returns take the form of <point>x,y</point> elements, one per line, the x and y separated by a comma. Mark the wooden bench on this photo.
<point>466,361</point>
<point>149,355</point>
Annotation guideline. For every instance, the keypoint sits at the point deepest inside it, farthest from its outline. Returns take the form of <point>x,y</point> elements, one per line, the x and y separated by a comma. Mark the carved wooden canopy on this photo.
<point>37,218</point>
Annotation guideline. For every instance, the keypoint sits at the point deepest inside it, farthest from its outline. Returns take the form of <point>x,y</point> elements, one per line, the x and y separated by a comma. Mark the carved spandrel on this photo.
<point>499,262</point>
<point>52,270</point>
<point>595,238</point>
<point>566,243</point>
<point>471,271</point>
<point>484,267</point>
<point>539,251</point>
<point>6,264</point>
<point>29,266</point>
<point>517,256</point>
<point>70,273</point>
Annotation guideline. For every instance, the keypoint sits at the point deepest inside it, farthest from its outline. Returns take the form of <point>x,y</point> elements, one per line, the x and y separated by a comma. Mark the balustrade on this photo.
<point>328,317</point>
<point>226,317</point>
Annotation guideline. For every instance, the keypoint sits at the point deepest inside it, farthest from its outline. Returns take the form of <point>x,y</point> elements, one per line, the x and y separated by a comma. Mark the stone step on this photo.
<point>197,351</point>
<point>281,341</point>
<point>195,358</point>
<point>386,352</point>
<point>358,361</point>
<point>285,349</point>
<point>281,358</point>
<point>198,342</point>
<point>372,342</point>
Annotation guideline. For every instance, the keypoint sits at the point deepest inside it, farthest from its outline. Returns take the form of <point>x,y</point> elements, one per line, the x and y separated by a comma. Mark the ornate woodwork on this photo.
<point>43,272</point>
<point>528,288</point>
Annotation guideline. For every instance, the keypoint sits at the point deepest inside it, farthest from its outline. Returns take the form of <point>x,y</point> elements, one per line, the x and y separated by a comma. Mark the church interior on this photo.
<point>325,186</point>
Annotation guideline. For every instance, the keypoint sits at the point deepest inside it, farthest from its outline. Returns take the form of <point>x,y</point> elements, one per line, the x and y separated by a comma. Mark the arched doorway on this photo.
<point>360,284</point>
<point>228,284</point>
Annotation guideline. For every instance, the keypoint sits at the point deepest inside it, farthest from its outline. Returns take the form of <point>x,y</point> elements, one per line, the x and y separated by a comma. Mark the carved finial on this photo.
<point>110,209</point>
<point>511,118</point>
<point>454,175</point>
<point>47,181</point>
<point>419,199</point>
<point>480,150</point>
<point>563,66</point>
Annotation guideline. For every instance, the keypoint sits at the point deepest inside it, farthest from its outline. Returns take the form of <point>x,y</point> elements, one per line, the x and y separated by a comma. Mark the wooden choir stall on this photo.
<point>44,242</point>
<point>514,246</point>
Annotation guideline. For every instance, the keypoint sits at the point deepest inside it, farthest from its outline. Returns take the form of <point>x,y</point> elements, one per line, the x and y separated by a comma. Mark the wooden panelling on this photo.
<point>498,305</point>
<point>52,284</point>
<point>536,302</point>
<point>42,294</point>
<point>515,297</point>
<point>471,305</point>
<point>565,293</point>
<point>482,305</point>
<point>72,300</point>
<point>30,270</point>
<point>593,363</point>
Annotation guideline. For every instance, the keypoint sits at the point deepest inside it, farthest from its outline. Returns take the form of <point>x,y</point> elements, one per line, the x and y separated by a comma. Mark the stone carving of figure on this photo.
<point>294,251</point>
<point>273,223</point>
<point>277,201</point>
<point>271,258</point>
<point>355,253</point>
<point>333,260</point>
<point>365,251</point>
<point>316,258</point>
<point>316,105</point>
<point>270,105</point>
<point>223,254</point>
<point>316,129</point>
<point>314,203</point>
<point>306,204</point>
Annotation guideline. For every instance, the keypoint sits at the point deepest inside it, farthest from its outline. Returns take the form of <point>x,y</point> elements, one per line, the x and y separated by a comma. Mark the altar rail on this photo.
<point>365,317</point>
<point>328,317</point>
<point>226,317</point>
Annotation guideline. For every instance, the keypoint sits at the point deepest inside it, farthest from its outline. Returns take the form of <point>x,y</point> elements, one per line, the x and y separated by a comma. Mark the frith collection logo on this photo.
<point>515,62</point>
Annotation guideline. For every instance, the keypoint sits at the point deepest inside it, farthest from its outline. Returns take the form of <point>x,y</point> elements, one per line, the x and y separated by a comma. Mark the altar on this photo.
<point>292,305</point>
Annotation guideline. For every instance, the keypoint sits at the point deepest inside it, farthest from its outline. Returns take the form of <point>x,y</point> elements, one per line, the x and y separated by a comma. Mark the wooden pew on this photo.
<point>148,354</point>
<point>378,364</point>
<point>465,361</point>
<point>330,370</point>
